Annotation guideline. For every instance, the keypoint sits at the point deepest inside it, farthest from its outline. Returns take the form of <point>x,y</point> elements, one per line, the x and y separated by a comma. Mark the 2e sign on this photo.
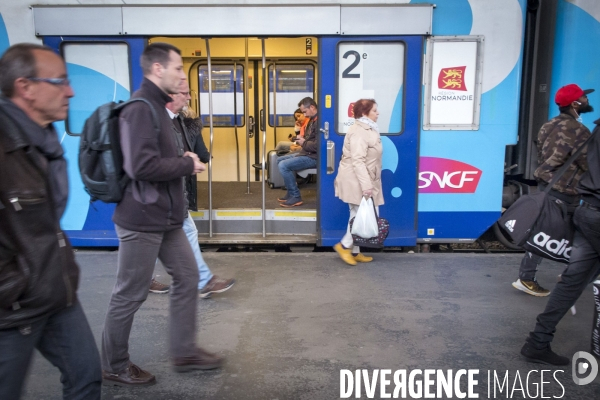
<point>309,46</point>
<point>347,72</point>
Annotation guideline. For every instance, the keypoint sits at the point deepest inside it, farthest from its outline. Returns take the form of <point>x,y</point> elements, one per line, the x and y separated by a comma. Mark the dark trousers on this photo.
<point>530,262</point>
<point>138,252</point>
<point>582,269</point>
<point>66,340</point>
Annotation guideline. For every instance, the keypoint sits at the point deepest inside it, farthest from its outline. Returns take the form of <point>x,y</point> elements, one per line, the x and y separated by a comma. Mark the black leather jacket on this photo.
<point>38,273</point>
<point>192,132</point>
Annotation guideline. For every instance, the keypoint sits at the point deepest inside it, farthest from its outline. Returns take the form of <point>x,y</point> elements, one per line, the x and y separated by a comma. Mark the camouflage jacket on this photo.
<point>557,140</point>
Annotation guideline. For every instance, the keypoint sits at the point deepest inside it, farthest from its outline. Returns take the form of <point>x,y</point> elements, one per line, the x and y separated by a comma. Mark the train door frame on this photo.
<point>400,189</point>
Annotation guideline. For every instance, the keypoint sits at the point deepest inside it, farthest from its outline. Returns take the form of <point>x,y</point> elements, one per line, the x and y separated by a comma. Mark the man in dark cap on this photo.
<point>557,140</point>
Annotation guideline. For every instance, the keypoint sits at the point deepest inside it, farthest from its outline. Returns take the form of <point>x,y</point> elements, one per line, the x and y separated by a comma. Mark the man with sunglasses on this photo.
<point>38,274</point>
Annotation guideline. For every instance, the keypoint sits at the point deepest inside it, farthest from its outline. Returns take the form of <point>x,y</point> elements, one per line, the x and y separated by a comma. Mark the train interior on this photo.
<point>256,85</point>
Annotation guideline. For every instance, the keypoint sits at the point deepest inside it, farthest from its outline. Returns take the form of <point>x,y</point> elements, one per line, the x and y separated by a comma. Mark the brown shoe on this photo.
<point>130,376</point>
<point>201,360</point>
<point>216,285</point>
<point>157,287</point>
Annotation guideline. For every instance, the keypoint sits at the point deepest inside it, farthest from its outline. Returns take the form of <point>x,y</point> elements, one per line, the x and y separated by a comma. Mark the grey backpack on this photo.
<point>100,156</point>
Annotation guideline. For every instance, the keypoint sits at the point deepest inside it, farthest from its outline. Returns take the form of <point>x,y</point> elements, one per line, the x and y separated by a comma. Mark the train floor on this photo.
<point>293,321</point>
<point>234,195</point>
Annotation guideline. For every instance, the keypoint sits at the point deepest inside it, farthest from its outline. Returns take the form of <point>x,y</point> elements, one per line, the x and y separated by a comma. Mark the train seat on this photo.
<point>304,173</point>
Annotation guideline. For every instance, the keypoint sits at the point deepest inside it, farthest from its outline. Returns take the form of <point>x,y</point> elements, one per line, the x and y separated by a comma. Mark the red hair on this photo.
<point>363,107</point>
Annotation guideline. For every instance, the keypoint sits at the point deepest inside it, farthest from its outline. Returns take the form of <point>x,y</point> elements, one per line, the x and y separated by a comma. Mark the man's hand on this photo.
<point>198,166</point>
<point>300,141</point>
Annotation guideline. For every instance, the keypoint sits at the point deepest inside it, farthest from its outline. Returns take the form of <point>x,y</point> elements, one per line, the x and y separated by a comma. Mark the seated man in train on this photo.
<point>303,159</point>
<point>290,146</point>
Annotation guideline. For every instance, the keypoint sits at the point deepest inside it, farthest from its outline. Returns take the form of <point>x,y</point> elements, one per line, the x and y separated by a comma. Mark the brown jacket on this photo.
<point>557,140</point>
<point>153,199</point>
<point>360,166</point>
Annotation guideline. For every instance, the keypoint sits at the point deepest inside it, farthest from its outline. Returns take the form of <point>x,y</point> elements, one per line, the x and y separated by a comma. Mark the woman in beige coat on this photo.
<point>359,173</point>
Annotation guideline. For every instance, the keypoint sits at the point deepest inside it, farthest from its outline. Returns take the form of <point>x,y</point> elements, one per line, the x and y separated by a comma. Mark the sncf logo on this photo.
<point>452,78</point>
<point>351,110</point>
<point>441,175</point>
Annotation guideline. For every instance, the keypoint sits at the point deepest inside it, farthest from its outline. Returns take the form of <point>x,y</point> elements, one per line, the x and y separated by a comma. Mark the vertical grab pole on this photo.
<point>264,137</point>
<point>246,111</point>
<point>274,105</point>
<point>237,143</point>
<point>212,135</point>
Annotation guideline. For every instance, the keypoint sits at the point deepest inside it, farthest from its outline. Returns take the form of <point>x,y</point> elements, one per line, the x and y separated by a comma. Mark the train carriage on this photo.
<point>462,88</point>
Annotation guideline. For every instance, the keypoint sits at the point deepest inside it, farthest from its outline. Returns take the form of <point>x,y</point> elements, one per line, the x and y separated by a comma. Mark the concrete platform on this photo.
<point>293,321</point>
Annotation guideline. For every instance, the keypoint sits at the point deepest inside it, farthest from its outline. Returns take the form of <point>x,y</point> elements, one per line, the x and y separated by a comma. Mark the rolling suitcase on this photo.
<point>274,178</point>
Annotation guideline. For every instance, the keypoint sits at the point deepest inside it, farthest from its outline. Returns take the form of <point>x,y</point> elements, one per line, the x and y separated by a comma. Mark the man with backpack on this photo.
<point>557,140</point>
<point>148,221</point>
<point>39,308</point>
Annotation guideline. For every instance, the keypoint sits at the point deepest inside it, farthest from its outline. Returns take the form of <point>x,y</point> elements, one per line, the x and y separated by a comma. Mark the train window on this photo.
<point>293,83</point>
<point>99,73</point>
<point>226,107</point>
<point>371,70</point>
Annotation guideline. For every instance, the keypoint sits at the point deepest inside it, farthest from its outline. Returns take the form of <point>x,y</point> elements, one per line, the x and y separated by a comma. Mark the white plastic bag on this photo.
<point>365,222</point>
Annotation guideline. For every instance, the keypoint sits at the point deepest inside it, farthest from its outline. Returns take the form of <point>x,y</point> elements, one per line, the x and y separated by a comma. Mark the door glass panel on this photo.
<point>371,70</point>
<point>224,112</point>
<point>293,83</point>
<point>99,73</point>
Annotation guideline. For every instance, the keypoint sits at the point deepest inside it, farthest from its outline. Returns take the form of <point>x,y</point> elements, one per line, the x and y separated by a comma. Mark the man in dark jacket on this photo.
<point>192,141</point>
<point>38,274</point>
<point>304,159</point>
<point>557,140</point>
<point>583,267</point>
<point>148,221</point>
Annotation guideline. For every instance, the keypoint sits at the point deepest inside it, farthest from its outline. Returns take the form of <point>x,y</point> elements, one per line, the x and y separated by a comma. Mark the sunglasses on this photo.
<point>53,81</point>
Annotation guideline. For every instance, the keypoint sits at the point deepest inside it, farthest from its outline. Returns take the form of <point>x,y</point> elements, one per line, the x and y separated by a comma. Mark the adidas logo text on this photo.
<point>554,246</point>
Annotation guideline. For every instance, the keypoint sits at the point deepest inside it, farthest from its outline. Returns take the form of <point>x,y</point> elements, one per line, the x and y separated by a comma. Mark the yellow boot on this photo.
<point>345,254</point>
<point>362,258</point>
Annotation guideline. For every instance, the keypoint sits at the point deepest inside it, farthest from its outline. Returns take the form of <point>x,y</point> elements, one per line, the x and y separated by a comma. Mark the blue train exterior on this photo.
<point>461,172</point>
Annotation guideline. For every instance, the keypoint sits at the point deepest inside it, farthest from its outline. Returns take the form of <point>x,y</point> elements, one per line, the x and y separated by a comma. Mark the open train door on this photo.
<point>388,69</point>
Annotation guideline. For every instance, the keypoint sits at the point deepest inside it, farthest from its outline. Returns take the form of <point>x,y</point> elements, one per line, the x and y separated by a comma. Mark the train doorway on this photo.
<point>245,91</point>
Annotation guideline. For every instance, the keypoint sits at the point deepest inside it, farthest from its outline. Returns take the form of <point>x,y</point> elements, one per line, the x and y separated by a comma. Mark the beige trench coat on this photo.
<point>360,166</point>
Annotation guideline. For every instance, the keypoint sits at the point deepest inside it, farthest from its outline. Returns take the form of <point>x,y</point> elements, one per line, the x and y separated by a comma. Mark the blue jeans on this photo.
<point>288,165</point>
<point>66,340</point>
<point>189,227</point>
<point>582,270</point>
